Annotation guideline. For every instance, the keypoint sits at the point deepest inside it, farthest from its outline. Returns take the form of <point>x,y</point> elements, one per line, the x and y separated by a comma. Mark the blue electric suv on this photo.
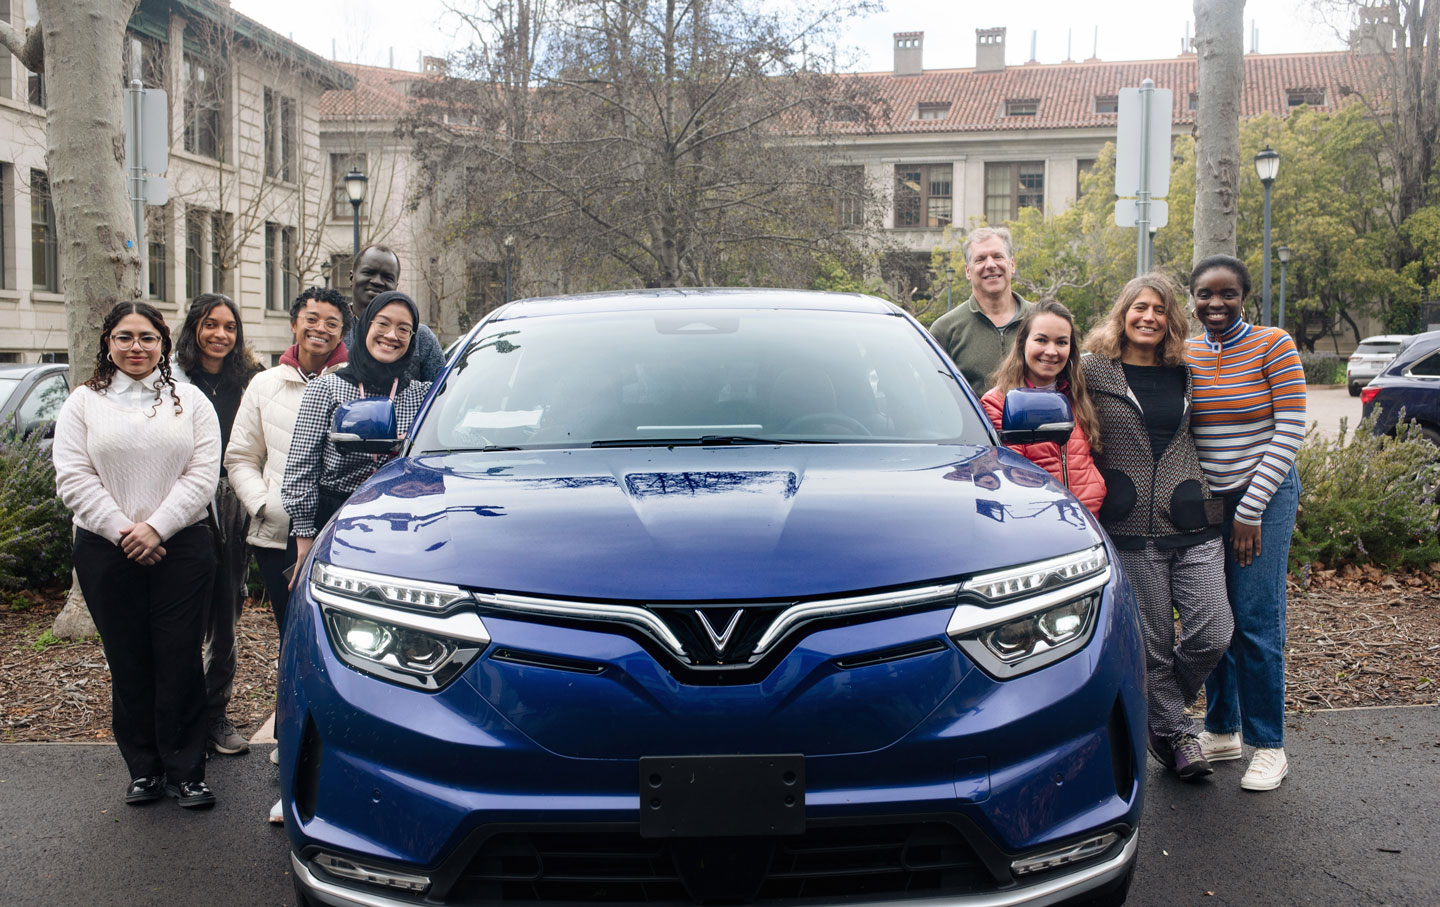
<point>710,596</point>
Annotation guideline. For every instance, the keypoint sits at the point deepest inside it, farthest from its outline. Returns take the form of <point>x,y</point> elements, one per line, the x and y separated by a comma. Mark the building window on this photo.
<point>1107,103</point>
<point>44,260</point>
<point>272,286</point>
<point>289,279</point>
<point>1012,186</point>
<point>484,288</point>
<point>850,196</point>
<point>340,263</point>
<point>5,57</point>
<point>1310,97</point>
<point>144,60</point>
<point>341,164</point>
<point>1193,102</point>
<point>9,357</point>
<point>155,236</point>
<point>194,251</point>
<point>35,89</point>
<point>7,176</point>
<point>1082,169</point>
<point>204,109</point>
<point>927,110</point>
<point>59,356</point>
<point>279,135</point>
<point>1022,107</point>
<point>922,195</point>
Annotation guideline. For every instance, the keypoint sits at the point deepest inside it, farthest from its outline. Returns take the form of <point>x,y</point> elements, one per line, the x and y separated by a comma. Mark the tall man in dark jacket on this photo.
<point>377,270</point>
<point>980,331</point>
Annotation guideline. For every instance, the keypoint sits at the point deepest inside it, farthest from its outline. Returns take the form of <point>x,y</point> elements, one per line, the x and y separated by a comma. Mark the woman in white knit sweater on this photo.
<point>137,459</point>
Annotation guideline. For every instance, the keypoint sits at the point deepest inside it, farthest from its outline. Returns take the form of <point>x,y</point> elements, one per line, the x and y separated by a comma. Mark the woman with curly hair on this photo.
<point>1043,358</point>
<point>211,354</point>
<point>137,457</point>
<point>1155,508</point>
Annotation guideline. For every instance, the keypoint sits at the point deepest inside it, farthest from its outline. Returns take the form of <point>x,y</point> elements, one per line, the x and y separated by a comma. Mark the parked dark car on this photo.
<point>710,597</point>
<point>31,396</point>
<point>1410,383</point>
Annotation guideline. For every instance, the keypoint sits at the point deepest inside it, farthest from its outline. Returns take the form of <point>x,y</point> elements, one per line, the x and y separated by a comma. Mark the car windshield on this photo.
<point>698,377</point>
<point>7,387</point>
<point>1381,348</point>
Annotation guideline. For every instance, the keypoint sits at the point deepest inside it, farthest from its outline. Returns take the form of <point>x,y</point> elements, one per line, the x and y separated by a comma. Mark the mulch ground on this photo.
<point>1357,637</point>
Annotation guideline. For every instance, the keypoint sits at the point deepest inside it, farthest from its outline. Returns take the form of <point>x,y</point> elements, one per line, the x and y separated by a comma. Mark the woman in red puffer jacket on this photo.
<point>1045,357</point>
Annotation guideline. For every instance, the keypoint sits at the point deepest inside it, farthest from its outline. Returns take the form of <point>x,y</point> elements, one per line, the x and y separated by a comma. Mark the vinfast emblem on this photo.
<point>722,638</point>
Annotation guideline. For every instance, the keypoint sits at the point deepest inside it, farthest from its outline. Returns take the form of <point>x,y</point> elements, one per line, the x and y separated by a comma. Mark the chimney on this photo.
<point>1376,34</point>
<point>433,66</point>
<point>909,53</point>
<point>990,50</point>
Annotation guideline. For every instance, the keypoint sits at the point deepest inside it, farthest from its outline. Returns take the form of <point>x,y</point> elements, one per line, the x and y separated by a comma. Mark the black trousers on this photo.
<point>226,600</point>
<point>272,563</point>
<point>152,622</point>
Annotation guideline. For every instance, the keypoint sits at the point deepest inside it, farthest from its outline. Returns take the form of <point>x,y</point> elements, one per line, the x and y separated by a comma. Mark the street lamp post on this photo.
<point>1267,165</point>
<point>949,287</point>
<point>325,268</point>
<point>355,190</point>
<point>1282,253</point>
<point>509,250</point>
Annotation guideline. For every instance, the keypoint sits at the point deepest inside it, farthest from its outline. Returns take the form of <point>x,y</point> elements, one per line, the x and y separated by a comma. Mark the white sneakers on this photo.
<point>1268,767</point>
<point>1220,747</point>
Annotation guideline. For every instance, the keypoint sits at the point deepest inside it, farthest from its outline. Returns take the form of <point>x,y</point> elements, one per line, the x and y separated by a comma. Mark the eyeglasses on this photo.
<point>403,331</point>
<point>313,321</point>
<point>147,342</point>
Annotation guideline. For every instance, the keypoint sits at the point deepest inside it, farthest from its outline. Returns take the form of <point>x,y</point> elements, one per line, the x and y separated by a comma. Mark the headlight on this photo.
<point>421,650</point>
<point>1042,612</point>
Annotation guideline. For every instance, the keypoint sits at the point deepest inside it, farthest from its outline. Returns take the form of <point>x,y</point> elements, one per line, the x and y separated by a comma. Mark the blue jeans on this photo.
<point>1246,691</point>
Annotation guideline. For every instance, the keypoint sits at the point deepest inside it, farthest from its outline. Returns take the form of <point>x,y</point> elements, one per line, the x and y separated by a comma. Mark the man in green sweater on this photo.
<point>979,332</point>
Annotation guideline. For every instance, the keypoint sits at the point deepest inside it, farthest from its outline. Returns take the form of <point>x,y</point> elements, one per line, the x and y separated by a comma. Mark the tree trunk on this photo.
<point>1219,47</point>
<point>82,43</point>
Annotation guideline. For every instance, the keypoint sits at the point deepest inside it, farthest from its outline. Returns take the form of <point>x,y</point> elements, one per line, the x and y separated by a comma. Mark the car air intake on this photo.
<point>307,771</point>
<point>1122,758</point>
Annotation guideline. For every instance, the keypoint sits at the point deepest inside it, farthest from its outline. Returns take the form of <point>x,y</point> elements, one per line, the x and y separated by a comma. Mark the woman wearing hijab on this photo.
<point>318,477</point>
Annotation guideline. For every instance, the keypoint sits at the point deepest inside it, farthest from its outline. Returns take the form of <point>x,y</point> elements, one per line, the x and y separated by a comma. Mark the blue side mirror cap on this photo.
<point>1034,416</point>
<point>366,425</point>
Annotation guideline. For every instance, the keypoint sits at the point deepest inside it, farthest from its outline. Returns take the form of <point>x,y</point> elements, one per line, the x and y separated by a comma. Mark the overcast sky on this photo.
<point>373,32</point>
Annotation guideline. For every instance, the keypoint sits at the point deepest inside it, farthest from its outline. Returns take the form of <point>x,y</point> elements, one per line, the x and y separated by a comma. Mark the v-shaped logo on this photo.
<point>721,639</point>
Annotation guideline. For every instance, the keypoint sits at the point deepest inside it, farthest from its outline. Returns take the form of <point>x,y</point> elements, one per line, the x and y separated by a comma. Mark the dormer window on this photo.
<point>1193,103</point>
<point>932,110</point>
<point>1022,107</point>
<point>1107,103</point>
<point>1310,97</point>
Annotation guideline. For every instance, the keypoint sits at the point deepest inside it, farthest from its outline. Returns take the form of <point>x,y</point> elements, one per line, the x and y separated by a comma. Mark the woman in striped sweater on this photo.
<point>1248,421</point>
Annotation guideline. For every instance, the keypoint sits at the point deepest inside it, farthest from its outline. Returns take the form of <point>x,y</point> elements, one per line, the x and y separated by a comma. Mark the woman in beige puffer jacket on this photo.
<point>260,438</point>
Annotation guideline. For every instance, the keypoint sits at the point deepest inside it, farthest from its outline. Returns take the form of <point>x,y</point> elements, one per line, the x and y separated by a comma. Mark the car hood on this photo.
<point>707,523</point>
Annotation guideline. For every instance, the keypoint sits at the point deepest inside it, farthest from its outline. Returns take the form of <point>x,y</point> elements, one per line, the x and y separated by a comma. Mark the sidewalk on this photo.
<point>1357,822</point>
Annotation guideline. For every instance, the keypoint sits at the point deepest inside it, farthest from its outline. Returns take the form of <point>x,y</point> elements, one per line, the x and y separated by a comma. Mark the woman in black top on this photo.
<point>1155,509</point>
<point>211,354</point>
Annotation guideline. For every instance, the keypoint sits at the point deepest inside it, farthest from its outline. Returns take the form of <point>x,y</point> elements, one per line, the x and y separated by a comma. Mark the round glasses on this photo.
<point>146,342</point>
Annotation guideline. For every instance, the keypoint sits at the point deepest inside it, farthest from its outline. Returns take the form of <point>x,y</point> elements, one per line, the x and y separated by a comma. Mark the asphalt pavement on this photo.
<point>1325,405</point>
<point>1357,822</point>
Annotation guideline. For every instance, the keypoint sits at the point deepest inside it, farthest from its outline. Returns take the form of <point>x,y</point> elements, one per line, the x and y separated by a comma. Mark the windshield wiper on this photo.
<point>491,448</point>
<point>702,441</point>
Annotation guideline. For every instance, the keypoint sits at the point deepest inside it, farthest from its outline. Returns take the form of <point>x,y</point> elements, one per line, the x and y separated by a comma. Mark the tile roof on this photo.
<point>379,94</point>
<point>1067,91</point>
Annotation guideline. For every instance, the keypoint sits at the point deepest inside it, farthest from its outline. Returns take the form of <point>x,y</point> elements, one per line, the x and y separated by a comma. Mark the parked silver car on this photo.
<point>1371,357</point>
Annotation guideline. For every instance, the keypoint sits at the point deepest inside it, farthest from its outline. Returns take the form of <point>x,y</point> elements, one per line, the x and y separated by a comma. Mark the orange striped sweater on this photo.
<point>1249,411</point>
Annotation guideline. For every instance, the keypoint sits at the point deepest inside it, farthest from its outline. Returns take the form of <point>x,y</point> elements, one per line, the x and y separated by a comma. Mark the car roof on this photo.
<point>18,370</point>
<point>1388,338</point>
<point>668,299</point>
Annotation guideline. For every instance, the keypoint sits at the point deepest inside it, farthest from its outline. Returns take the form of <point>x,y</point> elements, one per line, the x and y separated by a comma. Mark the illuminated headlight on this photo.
<point>1061,856</point>
<point>373,875</point>
<point>418,649</point>
<point>372,587</point>
<point>1042,612</point>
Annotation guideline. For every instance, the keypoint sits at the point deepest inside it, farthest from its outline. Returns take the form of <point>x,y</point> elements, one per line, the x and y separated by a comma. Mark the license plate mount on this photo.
<point>722,796</point>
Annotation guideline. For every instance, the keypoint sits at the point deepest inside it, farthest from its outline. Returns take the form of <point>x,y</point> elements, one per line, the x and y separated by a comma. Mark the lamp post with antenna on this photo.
<point>355,191</point>
<point>1267,166</point>
<point>1282,253</point>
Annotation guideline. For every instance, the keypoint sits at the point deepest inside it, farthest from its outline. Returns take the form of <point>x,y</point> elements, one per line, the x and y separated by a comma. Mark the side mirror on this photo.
<point>1034,417</point>
<point>366,426</point>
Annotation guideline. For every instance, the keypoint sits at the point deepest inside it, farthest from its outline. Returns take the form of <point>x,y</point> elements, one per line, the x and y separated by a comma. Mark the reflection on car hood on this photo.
<point>686,523</point>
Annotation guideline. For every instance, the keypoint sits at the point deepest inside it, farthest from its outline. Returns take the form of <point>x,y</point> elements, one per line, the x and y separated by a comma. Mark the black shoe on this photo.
<point>191,794</point>
<point>145,789</point>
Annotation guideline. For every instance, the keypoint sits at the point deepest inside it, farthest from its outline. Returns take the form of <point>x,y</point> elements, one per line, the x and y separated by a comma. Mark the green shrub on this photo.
<point>1368,501</point>
<point>35,530</point>
<point>1323,368</point>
